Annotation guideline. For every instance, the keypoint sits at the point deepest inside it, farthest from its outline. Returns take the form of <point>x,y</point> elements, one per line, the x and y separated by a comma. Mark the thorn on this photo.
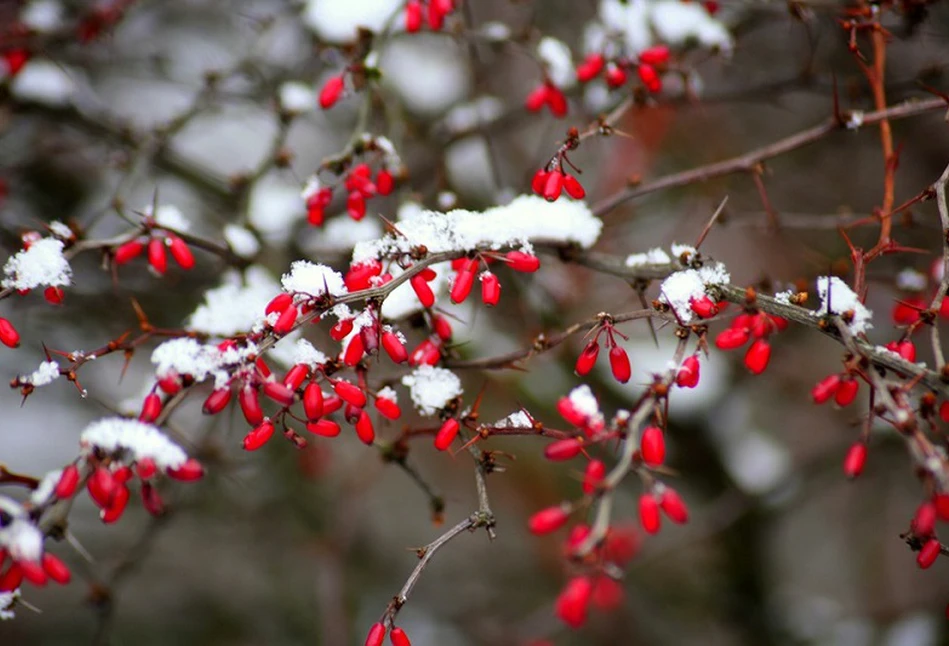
<point>140,314</point>
<point>711,222</point>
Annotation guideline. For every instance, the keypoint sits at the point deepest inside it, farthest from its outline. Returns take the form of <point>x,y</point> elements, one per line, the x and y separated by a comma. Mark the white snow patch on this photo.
<point>557,59</point>
<point>168,216</point>
<point>237,305</point>
<point>44,82</point>
<point>843,299</point>
<point>47,373</point>
<point>44,490</point>
<point>315,280</point>
<point>297,98</point>
<point>652,257</point>
<point>431,388</point>
<point>188,357</point>
<point>115,435</point>
<point>42,264</point>
<point>242,241</point>
<point>517,419</point>
<point>336,21</point>
<point>681,288</point>
<point>584,401</point>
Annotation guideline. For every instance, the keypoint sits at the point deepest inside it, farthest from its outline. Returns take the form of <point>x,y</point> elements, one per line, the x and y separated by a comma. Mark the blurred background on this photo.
<point>191,101</point>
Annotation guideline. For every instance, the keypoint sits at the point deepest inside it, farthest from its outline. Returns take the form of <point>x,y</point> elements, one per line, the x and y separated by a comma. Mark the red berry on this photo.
<point>446,433</point>
<point>539,181</point>
<point>145,468</point>
<point>388,408</point>
<point>364,428</point>
<point>331,92</point>
<point>14,60</point>
<point>56,569</point>
<point>536,99</point>
<point>413,16</point>
<point>574,600</point>
<point>906,312</point>
<point>68,481</point>
<point>490,289</point>
<point>11,579</point>
<point>556,101</point>
<point>688,374</point>
<point>189,471</point>
<point>128,251</point>
<point>655,55</point>
<point>825,388</point>
<point>673,506</point>
<point>424,293</point>
<point>295,376</point>
<point>573,187</point>
<point>151,408</point>
<point>398,637</point>
<point>217,401</point>
<point>929,553</point>
<point>377,633</point>
<point>285,321</point>
<point>152,500</point>
<point>732,338</point>
<point>180,252</point>
<point>249,400</point>
<point>855,460</point>
<point>8,334</point>
<point>587,358</point>
<point>279,303</point>
<point>360,276</point>
<point>323,427</point>
<point>907,350</point>
<point>156,255</point>
<point>313,401</point>
<point>441,326</point>
<point>924,522</point>
<point>941,502</point>
<point>116,506</point>
<point>341,330</point>
<point>619,364</point>
<point>593,476</point>
<point>258,436</point>
<point>54,295</point>
<point>570,413</point>
<point>704,307</point>
<point>649,513</point>
<point>522,262</point>
<point>553,186</point>
<point>757,357</point>
<point>394,347</point>
<point>427,353</point>
<point>846,391</point>
<point>33,572</point>
<point>563,449</point>
<point>350,393</point>
<point>650,78</point>
<point>354,350</point>
<point>616,76</point>
<point>548,520</point>
<point>356,206</point>
<point>278,392</point>
<point>461,286</point>
<point>653,446</point>
<point>384,182</point>
<point>591,66</point>
<point>607,593</point>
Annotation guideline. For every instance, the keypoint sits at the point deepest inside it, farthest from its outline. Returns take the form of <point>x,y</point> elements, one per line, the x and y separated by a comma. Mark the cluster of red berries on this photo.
<point>752,325</point>
<point>108,484</point>
<point>619,359</point>
<point>438,10</point>
<point>550,184</point>
<point>649,65</point>
<point>359,185</point>
<point>923,527</point>
<point>377,634</point>
<point>157,245</point>
<point>49,568</point>
<point>547,94</point>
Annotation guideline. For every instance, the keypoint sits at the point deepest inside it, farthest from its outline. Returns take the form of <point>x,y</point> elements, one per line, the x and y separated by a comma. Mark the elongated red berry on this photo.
<point>855,460</point>
<point>180,252</point>
<point>377,633</point>
<point>569,412</point>
<point>388,408</point>
<point>732,338</point>
<point>258,436</point>
<point>587,358</point>
<point>593,475</point>
<point>553,186</point>
<point>8,334</point>
<point>278,393</point>
<point>296,375</point>
<point>350,393</point>
<point>441,326</point>
<point>356,206</point>
<point>422,290</point>
<point>285,321</point>
<point>523,262</point>
<point>323,427</point>
<point>341,330</point>
<point>924,522</point>
<point>619,364</point>
<point>556,101</point>
<point>704,307</point>
<point>447,433</point>
<point>688,374</point>
<point>354,350</point>
<point>929,553</point>
<point>461,286</point>
<point>426,354</point>
<point>279,303</point>
<point>151,408</point>
<point>249,400</point>
<point>548,520</point>
<point>536,98</point>
<point>364,428</point>
<point>574,601</point>
<point>128,251</point>
<point>825,388</point>
<point>56,569</point>
<point>573,187</point>
<point>217,401</point>
<point>563,449</point>
<point>157,257</point>
<point>313,401</point>
<point>846,391</point>
<point>490,289</point>
<point>398,637</point>
<point>190,471</point>
<point>54,295</point>
<point>757,357</point>
<point>673,506</point>
<point>590,68</point>
<point>145,467</point>
<point>394,347</point>
<point>331,92</point>
<point>653,446</point>
<point>539,181</point>
<point>33,572</point>
<point>649,513</point>
<point>650,77</point>
<point>616,76</point>
<point>655,55</point>
<point>413,16</point>
<point>941,502</point>
<point>68,482</point>
<point>117,504</point>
